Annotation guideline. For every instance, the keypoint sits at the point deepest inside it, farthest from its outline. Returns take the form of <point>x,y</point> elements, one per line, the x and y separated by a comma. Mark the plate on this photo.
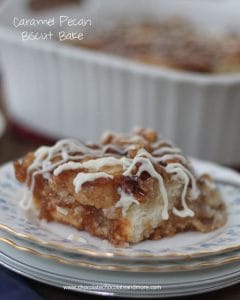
<point>118,283</point>
<point>120,265</point>
<point>183,246</point>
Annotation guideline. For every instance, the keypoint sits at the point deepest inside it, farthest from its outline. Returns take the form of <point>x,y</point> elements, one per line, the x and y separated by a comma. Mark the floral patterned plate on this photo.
<point>118,283</point>
<point>26,226</point>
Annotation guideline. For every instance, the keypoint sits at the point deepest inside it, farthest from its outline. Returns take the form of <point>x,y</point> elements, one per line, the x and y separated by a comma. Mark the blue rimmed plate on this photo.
<point>26,226</point>
<point>118,283</point>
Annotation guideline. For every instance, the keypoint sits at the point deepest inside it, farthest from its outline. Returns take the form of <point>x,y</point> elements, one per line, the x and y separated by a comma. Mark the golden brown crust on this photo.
<point>203,221</point>
<point>94,207</point>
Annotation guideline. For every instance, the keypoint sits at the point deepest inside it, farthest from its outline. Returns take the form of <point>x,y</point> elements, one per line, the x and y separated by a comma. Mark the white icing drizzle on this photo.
<point>194,192</point>
<point>43,161</point>
<point>144,153</point>
<point>125,201</point>
<point>69,152</point>
<point>166,150</point>
<point>101,162</point>
<point>182,172</point>
<point>95,164</point>
<point>43,164</point>
<point>81,178</point>
<point>161,143</point>
<point>126,162</point>
<point>44,155</point>
<point>146,165</point>
<point>71,165</point>
<point>107,147</point>
<point>63,148</point>
<point>26,201</point>
<point>186,212</point>
<point>77,238</point>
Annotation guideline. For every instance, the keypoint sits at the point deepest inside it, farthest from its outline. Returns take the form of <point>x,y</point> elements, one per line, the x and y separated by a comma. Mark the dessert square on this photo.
<point>125,189</point>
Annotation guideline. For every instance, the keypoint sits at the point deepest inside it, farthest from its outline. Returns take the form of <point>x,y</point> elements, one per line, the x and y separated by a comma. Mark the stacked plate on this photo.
<point>55,254</point>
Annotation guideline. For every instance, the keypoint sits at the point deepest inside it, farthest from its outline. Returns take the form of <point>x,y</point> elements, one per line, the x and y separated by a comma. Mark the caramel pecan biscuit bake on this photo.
<point>125,189</point>
<point>174,43</point>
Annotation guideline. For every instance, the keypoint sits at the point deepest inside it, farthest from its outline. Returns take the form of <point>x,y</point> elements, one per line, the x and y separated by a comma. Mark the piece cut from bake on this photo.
<point>126,189</point>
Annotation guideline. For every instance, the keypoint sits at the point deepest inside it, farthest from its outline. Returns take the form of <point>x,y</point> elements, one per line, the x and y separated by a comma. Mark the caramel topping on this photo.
<point>135,158</point>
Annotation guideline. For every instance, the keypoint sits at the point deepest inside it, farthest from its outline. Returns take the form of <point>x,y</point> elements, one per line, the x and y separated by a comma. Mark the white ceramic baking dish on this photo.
<point>59,91</point>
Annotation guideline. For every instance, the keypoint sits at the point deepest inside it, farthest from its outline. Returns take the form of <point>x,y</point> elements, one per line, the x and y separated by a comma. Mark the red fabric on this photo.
<point>29,134</point>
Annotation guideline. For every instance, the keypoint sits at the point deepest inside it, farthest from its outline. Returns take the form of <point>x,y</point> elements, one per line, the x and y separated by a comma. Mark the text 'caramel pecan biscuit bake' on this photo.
<point>125,189</point>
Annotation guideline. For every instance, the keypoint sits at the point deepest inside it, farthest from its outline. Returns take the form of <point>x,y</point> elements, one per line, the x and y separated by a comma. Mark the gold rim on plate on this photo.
<point>105,267</point>
<point>117,253</point>
<point>88,252</point>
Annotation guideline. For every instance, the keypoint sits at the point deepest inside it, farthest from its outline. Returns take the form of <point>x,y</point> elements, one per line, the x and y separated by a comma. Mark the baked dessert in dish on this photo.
<point>125,189</point>
<point>38,5</point>
<point>174,43</point>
